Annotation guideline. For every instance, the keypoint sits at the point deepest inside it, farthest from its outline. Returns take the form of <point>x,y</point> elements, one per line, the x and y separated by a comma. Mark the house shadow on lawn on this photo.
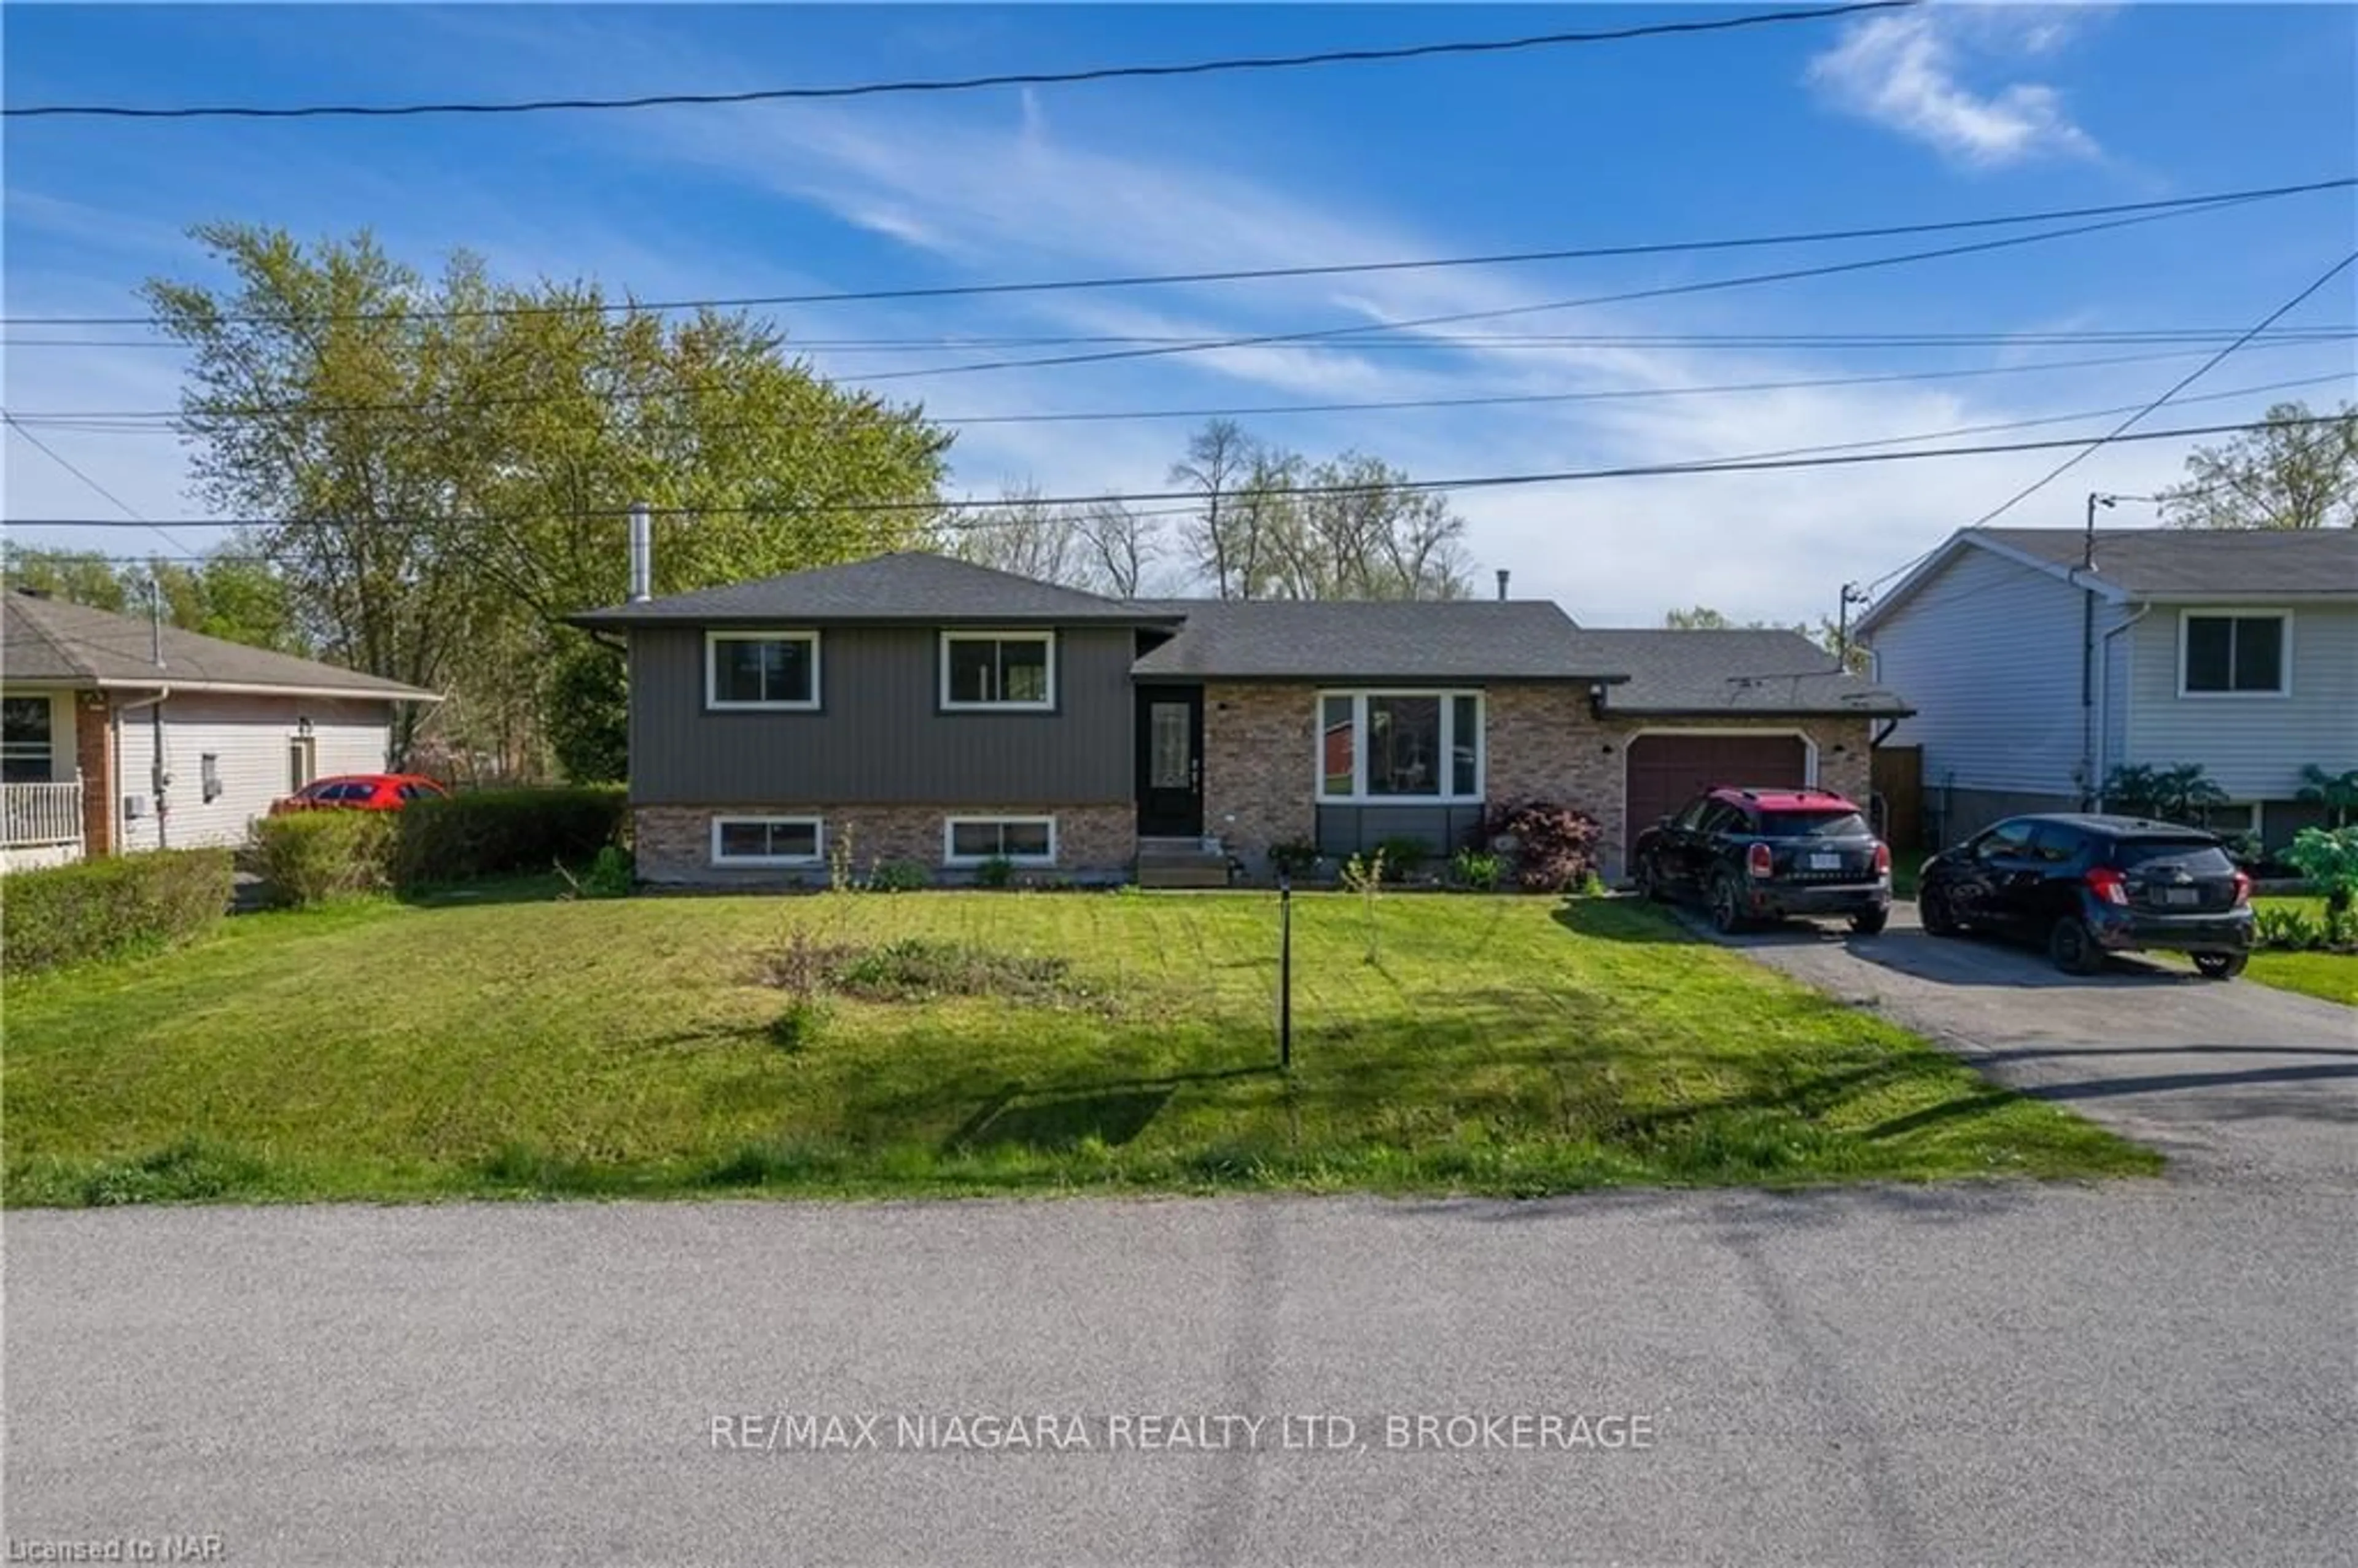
<point>1622,918</point>
<point>1058,1117</point>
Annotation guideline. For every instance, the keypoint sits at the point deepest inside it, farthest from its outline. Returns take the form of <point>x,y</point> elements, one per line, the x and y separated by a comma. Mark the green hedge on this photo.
<point>488,832</point>
<point>93,909</point>
<point>309,858</point>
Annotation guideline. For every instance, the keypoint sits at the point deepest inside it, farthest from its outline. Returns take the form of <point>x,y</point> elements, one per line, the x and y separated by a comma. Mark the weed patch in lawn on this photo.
<point>916,969</point>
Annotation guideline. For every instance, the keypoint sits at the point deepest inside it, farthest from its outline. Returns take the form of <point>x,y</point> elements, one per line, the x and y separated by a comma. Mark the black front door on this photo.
<point>1170,762</point>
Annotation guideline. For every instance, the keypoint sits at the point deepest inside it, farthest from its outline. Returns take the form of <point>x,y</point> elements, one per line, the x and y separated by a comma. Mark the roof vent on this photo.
<point>1502,584</point>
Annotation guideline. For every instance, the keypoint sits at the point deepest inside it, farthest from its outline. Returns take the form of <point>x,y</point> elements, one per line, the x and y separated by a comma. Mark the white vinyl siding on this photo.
<point>1987,651</point>
<point>247,738</point>
<point>2252,749</point>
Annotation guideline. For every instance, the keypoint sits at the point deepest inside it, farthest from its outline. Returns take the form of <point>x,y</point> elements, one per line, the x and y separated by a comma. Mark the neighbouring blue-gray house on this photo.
<point>2037,665</point>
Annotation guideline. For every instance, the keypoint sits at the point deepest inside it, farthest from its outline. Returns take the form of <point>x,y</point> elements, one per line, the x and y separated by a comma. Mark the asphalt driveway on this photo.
<point>2229,1079</point>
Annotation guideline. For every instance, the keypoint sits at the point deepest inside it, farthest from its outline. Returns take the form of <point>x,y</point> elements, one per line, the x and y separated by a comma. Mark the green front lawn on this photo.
<point>634,1046</point>
<point>2333,975</point>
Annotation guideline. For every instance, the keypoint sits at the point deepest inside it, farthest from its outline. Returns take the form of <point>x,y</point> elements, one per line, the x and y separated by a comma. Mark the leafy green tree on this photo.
<point>437,468</point>
<point>1700,618</point>
<point>2282,474</point>
<point>227,594</point>
<point>76,576</point>
<point>588,713</point>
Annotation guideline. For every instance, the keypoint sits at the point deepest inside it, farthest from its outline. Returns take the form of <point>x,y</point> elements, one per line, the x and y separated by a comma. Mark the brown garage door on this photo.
<point>1666,770</point>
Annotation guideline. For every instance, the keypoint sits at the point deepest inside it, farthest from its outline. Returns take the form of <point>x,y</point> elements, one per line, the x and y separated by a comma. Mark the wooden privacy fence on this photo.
<point>1897,773</point>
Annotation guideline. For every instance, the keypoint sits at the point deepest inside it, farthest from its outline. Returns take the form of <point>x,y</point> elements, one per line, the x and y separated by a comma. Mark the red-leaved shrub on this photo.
<point>1553,845</point>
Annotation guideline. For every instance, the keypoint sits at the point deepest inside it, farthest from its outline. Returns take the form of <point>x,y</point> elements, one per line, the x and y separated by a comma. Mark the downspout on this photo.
<point>2105,696</point>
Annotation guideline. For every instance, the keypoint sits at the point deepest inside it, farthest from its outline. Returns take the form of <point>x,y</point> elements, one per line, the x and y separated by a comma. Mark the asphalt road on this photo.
<point>2230,1079</point>
<point>2138,1372</point>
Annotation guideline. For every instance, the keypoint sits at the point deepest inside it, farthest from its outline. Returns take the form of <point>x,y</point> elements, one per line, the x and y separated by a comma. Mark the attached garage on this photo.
<point>1667,768</point>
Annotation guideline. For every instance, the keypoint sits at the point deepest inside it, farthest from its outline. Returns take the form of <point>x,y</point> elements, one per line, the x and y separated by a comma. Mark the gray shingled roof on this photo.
<point>2183,563</point>
<point>1728,671</point>
<point>1282,639</point>
<point>908,585</point>
<point>51,641</point>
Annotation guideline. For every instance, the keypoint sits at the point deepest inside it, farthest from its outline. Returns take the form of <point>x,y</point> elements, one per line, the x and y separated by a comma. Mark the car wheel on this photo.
<point>2074,950</point>
<point>2220,965</point>
<point>1726,906</point>
<point>1647,888</point>
<point>1940,920</point>
<point>1867,922</point>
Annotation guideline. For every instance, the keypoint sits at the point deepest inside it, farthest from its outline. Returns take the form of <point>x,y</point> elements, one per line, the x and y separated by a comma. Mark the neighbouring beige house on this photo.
<point>93,718</point>
<point>935,711</point>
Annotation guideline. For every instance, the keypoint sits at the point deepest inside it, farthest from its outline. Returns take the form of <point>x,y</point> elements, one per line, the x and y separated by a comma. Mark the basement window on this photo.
<point>766,841</point>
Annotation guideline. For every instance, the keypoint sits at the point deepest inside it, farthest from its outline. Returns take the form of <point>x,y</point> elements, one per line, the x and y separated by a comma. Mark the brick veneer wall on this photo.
<point>1260,739</point>
<point>673,844</point>
<point>1260,756</point>
<point>94,759</point>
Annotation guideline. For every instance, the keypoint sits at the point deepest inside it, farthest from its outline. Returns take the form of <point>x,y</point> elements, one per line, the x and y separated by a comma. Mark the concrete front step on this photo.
<point>1187,872</point>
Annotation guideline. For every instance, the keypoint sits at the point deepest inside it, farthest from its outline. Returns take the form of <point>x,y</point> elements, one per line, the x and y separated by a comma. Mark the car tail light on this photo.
<point>2108,884</point>
<point>2243,887</point>
<point>1758,863</point>
<point>1882,859</point>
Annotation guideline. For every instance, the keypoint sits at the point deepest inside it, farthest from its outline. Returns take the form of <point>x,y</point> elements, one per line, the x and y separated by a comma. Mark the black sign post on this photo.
<point>1284,972</point>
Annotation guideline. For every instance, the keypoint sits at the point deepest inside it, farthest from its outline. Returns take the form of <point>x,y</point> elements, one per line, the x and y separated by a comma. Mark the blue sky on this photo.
<point>1946,112</point>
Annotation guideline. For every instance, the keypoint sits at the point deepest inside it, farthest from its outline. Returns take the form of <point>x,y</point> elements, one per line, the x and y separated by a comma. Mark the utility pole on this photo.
<point>1851,594</point>
<point>156,775</point>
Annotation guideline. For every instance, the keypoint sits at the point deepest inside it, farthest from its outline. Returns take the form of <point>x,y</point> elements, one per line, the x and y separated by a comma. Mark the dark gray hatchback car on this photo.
<point>2087,886</point>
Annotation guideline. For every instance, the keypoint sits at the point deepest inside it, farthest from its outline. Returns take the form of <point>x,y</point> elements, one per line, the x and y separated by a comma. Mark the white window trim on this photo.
<point>712,699</point>
<point>2261,612</point>
<point>1358,698</point>
<point>1046,636</point>
<point>818,841</point>
<point>951,824</point>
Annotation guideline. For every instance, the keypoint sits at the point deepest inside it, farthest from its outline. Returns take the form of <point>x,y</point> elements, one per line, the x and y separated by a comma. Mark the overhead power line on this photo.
<point>1249,275</point>
<point>1477,481</point>
<point>144,422</point>
<point>1447,341</point>
<point>92,485</point>
<point>2117,433</point>
<point>949,84</point>
<point>1454,317</point>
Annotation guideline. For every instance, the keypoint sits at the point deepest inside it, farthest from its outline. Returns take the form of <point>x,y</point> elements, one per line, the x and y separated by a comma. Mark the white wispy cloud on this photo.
<point>1911,72</point>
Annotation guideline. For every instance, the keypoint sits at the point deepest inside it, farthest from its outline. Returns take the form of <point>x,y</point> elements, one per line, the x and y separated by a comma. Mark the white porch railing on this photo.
<point>33,814</point>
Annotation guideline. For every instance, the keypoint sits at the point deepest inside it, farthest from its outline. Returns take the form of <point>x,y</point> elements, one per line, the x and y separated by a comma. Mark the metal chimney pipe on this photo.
<point>1502,584</point>
<point>643,553</point>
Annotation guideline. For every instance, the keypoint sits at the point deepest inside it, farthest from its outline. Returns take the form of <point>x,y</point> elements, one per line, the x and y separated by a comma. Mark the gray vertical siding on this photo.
<point>878,736</point>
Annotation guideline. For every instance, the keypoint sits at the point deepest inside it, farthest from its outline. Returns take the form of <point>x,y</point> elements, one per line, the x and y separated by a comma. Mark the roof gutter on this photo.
<point>245,688</point>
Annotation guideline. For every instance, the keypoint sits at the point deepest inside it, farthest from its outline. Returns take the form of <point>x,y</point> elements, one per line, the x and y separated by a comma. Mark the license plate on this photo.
<point>1825,863</point>
<point>2181,896</point>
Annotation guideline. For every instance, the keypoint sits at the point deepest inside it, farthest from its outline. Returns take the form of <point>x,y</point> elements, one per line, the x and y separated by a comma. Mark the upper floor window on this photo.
<point>1399,745</point>
<point>999,671</point>
<point>761,669</point>
<point>2240,653</point>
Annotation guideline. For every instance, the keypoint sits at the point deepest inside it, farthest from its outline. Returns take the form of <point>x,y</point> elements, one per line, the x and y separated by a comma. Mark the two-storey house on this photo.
<point>2039,660</point>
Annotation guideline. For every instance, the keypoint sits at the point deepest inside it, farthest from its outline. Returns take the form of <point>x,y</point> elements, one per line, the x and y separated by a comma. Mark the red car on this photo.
<point>360,791</point>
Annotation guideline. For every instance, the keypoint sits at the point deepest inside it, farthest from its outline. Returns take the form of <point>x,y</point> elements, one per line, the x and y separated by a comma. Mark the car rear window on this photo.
<point>1812,825</point>
<point>2195,857</point>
